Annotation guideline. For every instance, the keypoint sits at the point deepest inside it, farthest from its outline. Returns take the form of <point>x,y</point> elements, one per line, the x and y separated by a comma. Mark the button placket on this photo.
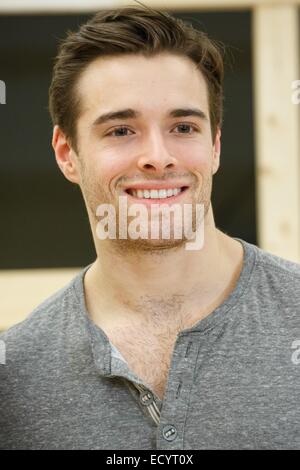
<point>176,406</point>
<point>169,432</point>
<point>146,398</point>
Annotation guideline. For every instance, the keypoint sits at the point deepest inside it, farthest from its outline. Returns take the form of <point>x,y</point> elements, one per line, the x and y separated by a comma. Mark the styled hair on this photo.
<point>130,30</point>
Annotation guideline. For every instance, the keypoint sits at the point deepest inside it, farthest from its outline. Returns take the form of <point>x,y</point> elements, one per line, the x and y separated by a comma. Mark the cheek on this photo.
<point>113,167</point>
<point>114,162</point>
<point>195,155</point>
<point>105,164</point>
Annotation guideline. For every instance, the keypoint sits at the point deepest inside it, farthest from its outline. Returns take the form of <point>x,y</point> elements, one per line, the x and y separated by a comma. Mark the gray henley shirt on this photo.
<point>234,378</point>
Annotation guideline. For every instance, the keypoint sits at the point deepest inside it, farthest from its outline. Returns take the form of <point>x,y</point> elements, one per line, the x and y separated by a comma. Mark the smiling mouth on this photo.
<point>157,194</point>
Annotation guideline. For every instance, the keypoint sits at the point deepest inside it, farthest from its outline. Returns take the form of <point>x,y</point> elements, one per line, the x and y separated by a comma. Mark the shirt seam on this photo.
<point>278,268</point>
<point>223,317</point>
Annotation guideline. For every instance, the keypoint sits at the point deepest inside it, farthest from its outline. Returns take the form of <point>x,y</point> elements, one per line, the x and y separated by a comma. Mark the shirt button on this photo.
<point>146,398</point>
<point>169,432</point>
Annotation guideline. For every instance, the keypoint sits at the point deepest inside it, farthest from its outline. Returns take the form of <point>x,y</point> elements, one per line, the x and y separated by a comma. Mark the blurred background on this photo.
<point>45,237</point>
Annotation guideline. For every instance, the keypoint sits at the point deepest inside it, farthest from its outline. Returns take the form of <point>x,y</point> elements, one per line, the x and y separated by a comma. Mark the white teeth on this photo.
<point>154,193</point>
<point>162,193</point>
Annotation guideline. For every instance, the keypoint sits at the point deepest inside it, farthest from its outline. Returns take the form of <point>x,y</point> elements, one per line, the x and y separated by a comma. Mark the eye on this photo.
<point>119,132</point>
<point>122,131</point>
<point>186,128</point>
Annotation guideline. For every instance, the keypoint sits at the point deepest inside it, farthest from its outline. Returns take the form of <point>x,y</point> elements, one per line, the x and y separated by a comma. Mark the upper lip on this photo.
<point>156,185</point>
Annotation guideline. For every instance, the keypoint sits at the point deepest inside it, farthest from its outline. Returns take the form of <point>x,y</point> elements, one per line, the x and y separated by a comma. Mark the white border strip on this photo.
<point>80,6</point>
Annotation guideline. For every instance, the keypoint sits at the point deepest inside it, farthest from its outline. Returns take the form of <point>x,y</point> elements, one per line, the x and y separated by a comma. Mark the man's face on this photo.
<point>154,147</point>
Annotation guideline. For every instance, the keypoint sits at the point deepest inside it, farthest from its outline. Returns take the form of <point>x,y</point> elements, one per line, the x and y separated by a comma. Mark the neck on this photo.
<point>132,286</point>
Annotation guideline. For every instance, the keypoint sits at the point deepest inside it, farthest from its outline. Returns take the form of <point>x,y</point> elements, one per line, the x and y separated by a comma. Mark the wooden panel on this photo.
<point>276,62</point>
<point>22,290</point>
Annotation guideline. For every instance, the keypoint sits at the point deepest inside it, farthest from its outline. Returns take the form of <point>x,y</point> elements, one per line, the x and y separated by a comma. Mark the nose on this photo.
<point>156,157</point>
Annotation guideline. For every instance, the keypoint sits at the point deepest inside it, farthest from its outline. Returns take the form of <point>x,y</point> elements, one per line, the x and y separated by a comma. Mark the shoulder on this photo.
<point>274,281</point>
<point>277,267</point>
<point>41,329</point>
<point>38,320</point>
<point>271,264</point>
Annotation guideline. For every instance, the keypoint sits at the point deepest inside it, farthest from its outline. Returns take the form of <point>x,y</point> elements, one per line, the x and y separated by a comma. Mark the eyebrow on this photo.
<point>132,114</point>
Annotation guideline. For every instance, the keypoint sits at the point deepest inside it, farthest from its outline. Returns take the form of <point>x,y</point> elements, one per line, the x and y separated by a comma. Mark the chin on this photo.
<point>140,245</point>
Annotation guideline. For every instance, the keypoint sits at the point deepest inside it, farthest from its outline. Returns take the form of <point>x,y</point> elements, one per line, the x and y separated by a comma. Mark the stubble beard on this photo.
<point>94,195</point>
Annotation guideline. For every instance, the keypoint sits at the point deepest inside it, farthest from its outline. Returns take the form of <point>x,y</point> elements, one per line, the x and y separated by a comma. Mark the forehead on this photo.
<point>146,83</point>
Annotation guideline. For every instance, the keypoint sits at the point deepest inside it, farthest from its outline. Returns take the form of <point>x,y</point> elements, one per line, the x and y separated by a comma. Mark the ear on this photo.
<point>216,151</point>
<point>65,155</point>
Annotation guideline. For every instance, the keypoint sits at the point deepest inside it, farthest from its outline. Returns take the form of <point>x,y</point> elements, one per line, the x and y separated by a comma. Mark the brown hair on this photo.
<point>130,30</point>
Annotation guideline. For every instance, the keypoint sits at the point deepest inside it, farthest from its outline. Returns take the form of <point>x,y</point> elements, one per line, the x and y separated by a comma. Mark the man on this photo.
<point>153,346</point>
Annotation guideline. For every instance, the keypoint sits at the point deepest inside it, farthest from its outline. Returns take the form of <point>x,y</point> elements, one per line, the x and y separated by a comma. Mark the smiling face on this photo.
<point>144,127</point>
